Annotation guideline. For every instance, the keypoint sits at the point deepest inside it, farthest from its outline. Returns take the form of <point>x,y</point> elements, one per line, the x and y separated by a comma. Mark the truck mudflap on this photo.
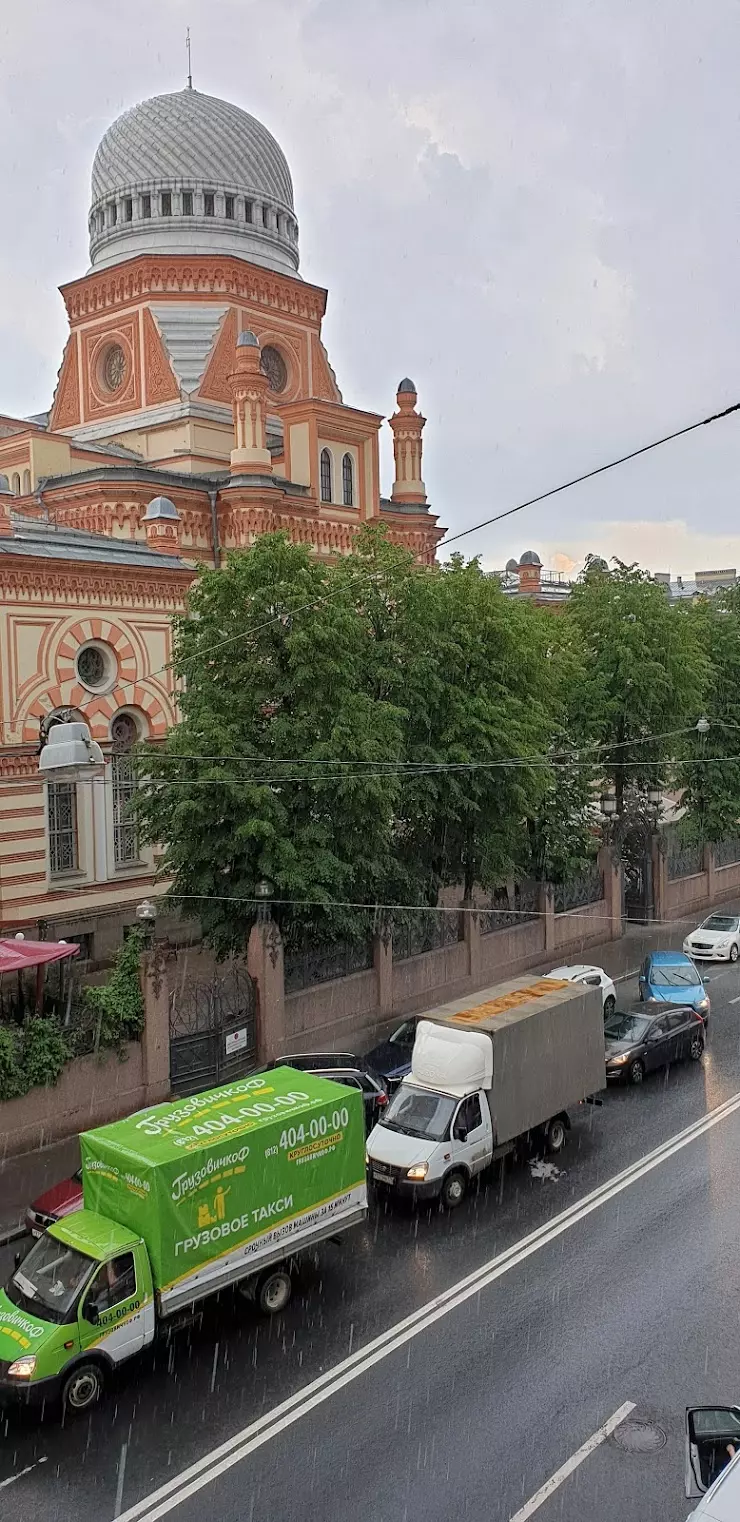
<point>247,1262</point>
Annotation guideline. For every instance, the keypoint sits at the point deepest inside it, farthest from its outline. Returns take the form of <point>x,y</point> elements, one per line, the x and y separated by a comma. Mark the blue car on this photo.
<point>671,976</point>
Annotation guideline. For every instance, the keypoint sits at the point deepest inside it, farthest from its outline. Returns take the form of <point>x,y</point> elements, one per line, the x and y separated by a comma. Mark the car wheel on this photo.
<point>556,1135</point>
<point>696,1048</point>
<point>636,1071</point>
<point>454,1190</point>
<point>734,951</point>
<point>83,1388</point>
<point>274,1290</point>
<point>610,1005</point>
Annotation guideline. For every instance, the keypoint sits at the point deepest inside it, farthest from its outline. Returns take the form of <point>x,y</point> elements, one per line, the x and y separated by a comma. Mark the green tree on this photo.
<point>563,835</point>
<point>644,672</point>
<point>710,771</point>
<point>273,662</point>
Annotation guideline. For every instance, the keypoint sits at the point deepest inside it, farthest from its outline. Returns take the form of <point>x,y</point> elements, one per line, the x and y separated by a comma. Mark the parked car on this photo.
<point>717,939</point>
<point>342,1067</point>
<point>672,977</point>
<point>712,1433</point>
<point>391,1059</point>
<point>55,1203</point>
<point>593,977</point>
<point>650,1036</point>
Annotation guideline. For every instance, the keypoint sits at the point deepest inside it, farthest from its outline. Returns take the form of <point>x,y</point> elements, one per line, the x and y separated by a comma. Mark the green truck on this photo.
<point>181,1201</point>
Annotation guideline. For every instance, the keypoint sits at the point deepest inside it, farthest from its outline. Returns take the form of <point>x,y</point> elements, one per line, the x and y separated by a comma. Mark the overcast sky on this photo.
<point>529,206</point>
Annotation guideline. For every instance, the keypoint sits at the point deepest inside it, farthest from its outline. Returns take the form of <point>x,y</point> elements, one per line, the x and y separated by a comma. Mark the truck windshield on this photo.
<point>418,1113</point>
<point>49,1280</point>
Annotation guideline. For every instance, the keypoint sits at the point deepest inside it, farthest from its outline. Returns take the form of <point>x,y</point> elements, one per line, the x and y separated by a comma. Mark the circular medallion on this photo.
<point>92,667</point>
<point>274,367</point>
<point>114,367</point>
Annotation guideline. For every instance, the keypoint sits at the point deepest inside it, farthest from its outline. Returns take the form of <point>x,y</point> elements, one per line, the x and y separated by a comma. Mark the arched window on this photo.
<point>17,484</point>
<point>326,491</point>
<point>124,735</point>
<point>26,483</point>
<point>348,495</point>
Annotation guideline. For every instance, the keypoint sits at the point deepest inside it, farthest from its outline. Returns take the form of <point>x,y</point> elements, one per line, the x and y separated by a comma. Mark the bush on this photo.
<point>11,1081</point>
<point>44,1050</point>
<point>118,1005</point>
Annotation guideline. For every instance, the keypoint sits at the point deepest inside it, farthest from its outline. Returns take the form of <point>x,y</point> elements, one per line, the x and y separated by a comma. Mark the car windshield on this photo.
<point>626,1028</point>
<point>674,975</point>
<point>404,1036</point>
<point>417,1113</point>
<point>716,922</point>
<point>49,1279</point>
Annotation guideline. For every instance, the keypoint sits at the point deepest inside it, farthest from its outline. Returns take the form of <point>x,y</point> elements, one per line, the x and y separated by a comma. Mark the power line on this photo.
<point>588,475</point>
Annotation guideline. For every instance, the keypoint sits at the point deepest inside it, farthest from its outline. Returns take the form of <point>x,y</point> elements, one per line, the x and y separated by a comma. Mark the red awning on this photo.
<point>15,955</point>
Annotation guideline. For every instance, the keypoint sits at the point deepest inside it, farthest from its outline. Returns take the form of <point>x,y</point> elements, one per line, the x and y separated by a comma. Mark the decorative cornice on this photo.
<point>152,276</point>
<point>34,581</point>
<point>22,763</point>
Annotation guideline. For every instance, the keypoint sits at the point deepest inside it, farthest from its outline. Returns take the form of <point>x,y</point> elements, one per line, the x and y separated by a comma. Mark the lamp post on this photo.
<point>146,915</point>
<point>264,890</point>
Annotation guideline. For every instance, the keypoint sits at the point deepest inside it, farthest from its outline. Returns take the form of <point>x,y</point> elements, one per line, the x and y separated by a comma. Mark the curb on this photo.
<point>625,976</point>
<point>11,1234</point>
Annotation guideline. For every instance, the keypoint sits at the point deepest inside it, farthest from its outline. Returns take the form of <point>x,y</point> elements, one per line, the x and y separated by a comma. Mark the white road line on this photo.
<point>19,1476</point>
<point>734,1001</point>
<point>566,1469</point>
<point>207,1469</point>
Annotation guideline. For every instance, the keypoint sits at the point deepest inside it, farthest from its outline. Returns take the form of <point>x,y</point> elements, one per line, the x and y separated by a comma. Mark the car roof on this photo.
<point>668,957</point>
<point>574,969</point>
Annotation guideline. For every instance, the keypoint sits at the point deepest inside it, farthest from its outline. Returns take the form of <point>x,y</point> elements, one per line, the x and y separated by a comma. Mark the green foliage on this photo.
<point>11,1078</point>
<point>710,769</point>
<point>644,674</point>
<point>43,1051</point>
<point>117,1006</point>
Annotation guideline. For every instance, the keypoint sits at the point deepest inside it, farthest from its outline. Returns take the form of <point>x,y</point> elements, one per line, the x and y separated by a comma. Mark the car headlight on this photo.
<point>623,1057</point>
<point>23,1368</point>
<point>418,1172</point>
<point>703,1004</point>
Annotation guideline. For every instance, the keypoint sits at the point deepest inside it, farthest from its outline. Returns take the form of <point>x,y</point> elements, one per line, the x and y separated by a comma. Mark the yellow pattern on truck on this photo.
<point>511,1000</point>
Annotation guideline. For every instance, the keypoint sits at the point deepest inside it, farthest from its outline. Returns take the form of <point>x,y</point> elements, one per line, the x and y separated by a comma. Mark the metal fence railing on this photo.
<point>503,913</point>
<point>425,930</point>
<point>685,860</point>
<point>587,888</point>
<point>727,852</point>
<point>323,964</point>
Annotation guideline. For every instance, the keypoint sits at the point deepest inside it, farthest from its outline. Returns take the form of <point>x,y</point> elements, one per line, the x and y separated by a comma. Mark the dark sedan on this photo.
<point>391,1059</point>
<point>649,1037</point>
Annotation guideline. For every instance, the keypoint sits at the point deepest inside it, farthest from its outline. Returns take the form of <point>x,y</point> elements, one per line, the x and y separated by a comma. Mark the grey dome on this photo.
<point>247,340</point>
<point>194,144</point>
<point>512,565</point>
<point>530,557</point>
<point>161,507</point>
<point>406,385</point>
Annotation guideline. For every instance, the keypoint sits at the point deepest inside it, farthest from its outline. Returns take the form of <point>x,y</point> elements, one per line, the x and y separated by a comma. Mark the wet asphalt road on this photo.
<point>637,1302</point>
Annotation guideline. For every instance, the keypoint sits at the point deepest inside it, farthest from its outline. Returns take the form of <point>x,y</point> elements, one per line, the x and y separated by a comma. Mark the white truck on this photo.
<point>484,1077</point>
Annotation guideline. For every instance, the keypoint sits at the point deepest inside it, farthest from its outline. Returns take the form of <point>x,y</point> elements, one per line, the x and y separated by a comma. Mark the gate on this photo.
<point>637,865</point>
<point>213,1035</point>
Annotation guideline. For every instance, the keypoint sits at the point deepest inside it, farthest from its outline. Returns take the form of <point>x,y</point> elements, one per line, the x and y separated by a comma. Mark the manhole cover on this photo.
<point>639,1437</point>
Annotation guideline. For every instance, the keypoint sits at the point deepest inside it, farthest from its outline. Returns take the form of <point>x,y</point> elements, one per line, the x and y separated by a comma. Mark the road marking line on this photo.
<point>164,1500</point>
<point>734,1001</point>
<point>19,1476</point>
<point>577,1458</point>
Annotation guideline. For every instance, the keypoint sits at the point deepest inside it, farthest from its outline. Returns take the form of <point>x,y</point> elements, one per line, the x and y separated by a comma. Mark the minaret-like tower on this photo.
<point>249,389</point>
<point>407,425</point>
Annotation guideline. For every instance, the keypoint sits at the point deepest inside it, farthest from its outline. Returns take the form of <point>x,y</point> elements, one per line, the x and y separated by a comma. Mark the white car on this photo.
<point>594,977</point>
<point>717,939</point>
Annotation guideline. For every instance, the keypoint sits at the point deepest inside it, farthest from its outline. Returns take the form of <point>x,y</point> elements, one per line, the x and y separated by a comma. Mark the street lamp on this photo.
<point>146,914</point>
<point>655,797</point>
<point>263,892</point>
<point>69,754</point>
<point>609,804</point>
<point>702,726</point>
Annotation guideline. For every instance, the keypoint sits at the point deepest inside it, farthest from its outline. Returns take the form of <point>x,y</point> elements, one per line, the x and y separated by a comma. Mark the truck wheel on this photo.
<point>83,1388</point>
<point>454,1190</point>
<point>555,1135</point>
<point>274,1290</point>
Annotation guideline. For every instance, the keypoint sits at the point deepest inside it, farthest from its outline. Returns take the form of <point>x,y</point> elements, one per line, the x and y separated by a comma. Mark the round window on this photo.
<point>113,367</point>
<point>274,367</point>
<point>94,667</point>
<point>123,732</point>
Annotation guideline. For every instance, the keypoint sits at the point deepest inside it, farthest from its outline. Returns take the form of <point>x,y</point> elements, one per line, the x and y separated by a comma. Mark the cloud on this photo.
<point>667,545</point>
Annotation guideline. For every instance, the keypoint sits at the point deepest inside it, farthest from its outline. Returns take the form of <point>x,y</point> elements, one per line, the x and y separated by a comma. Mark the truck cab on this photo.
<point>431,1142</point>
<point>80,1302</point>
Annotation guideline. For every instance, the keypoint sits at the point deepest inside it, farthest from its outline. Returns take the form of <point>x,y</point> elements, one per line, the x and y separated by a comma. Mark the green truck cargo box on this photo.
<point>220,1182</point>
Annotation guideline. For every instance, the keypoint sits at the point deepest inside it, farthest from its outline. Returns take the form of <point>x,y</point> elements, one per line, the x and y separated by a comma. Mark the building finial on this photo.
<point>190,65</point>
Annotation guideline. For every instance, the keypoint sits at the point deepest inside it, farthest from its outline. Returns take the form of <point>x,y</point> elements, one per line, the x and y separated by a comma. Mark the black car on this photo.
<point>391,1059</point>
<point>342,1067</point>
<point>651,1036</point>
